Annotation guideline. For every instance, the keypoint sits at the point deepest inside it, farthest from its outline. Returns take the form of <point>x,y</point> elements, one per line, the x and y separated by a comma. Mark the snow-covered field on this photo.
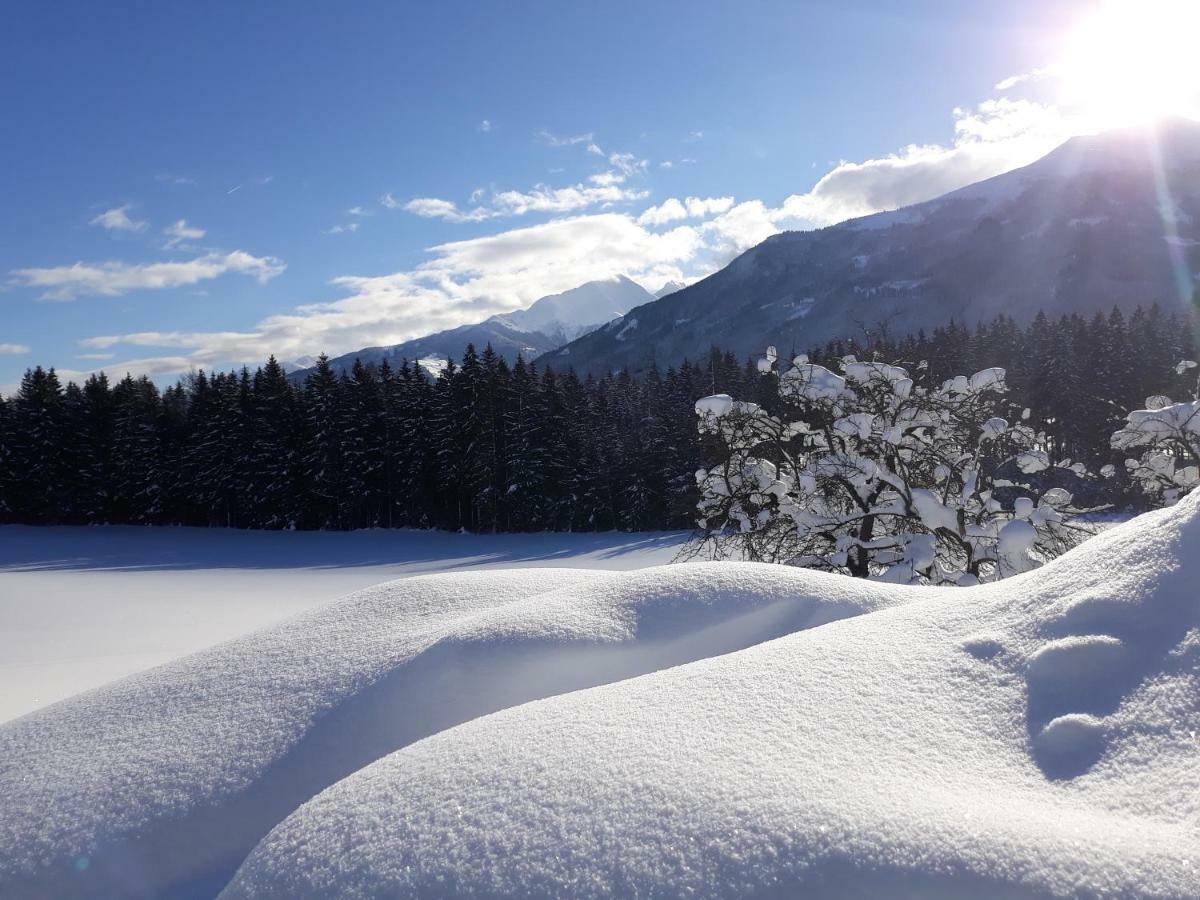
<point>80,607</point>
<point>708,730</point>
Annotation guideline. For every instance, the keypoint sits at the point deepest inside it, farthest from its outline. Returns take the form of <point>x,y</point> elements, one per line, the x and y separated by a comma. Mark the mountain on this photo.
<point>548,324</point>
<point>564,317</point>
<point>1079,231</point>
<point>669,288</point>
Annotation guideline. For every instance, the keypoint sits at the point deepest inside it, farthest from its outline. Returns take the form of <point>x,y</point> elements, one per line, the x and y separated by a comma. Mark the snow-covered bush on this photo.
<point>877,472</point>
<point>1167,435</point>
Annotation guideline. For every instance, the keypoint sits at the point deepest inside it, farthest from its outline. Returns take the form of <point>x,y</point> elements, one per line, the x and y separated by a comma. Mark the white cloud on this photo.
<point>462,281</point>
<point>1035,75</point>
<point>437,208</point>
<point>177,180</point>
<point>694,136</point>
<point>95,356</point>
<point>673,210</point>
<point>117,219</point>
<point>485,126</point>
<point>601,189</point>
<point>698,207</point>
<point>13,349</point>
<point>468,280</point>
<point>180,231</point>
<point>627,163</point>
<point>607,178</point>
<point>111,279</point>
<point>666,164</point>
<point>740,228</point>
<point>358,211</point>
<point>555,140</point>
<point>670,210</point>
<point>348,228</point>
<point>997,136</point>
<point>544,199</point>
<point>156,339</point>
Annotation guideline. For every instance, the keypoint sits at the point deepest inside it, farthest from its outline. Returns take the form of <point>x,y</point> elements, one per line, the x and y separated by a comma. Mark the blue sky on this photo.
<point>197,185</point>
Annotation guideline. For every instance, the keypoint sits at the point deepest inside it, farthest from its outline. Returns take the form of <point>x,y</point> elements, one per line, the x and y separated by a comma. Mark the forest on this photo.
<point>485,446</point>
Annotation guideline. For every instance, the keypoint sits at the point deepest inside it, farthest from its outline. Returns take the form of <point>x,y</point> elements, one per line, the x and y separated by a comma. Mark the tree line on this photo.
<point>487,446</point>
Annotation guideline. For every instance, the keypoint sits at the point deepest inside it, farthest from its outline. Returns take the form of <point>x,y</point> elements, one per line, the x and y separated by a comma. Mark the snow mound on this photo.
<point>1030,737</point>
<point>161,784</point>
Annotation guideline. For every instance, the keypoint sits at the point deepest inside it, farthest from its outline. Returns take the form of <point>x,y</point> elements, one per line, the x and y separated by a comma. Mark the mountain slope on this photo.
<point>1080,230</point>
<point>572,314</point>
<point>549,323</point>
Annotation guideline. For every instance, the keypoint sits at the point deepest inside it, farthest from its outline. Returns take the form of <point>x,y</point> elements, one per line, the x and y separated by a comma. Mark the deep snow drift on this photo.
<point>1034,736</point>
<point>161,784</point>
<point>80,607</point>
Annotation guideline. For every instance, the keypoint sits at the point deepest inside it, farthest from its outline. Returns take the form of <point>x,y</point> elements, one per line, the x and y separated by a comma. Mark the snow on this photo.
<point>1145,424</point>
<point>709,730</point>
<point>80,607</point>
<point>716,405</point>
<point>1017,538</point>
<point>987,379</point>
<point>169,777</point>
<point>1031,461</point>
<point>670,287</point>
<point>434,365</point>
<point>889,754</point>
<point>574,313</point>
<point>934,514</point>
<point>800,308</point>
<point>903,284</point>
<point>630,325</point>
<point>808,381</point>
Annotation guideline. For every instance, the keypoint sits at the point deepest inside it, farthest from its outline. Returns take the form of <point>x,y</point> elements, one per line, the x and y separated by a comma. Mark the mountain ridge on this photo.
<point>1078,231</point>
<point>543,326</point>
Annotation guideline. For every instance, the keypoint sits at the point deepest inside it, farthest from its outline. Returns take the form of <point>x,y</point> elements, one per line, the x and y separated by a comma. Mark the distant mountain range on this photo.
<point>1101,221</point>
<point>548,324</point>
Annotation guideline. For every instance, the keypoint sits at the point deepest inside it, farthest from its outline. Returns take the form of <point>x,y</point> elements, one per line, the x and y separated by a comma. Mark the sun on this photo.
<point>1132,61</point>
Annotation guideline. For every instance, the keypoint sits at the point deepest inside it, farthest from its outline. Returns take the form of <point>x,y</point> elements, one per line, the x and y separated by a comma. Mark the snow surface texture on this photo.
<point>161,784</point>
<point>1032,737</point>
<point>80,607</point>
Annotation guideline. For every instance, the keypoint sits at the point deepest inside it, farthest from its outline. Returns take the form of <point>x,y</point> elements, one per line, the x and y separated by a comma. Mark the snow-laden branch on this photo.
<point>871,471</point>
<point>1167,435</point>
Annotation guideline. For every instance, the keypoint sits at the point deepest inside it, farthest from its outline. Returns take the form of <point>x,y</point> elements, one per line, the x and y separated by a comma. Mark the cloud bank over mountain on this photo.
<point>674,239</point>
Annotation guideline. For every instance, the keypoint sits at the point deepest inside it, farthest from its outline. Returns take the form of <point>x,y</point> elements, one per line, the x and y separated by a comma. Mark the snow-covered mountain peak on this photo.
<point>669,288</point>
<point>579,310</point>
<point>544,326</point>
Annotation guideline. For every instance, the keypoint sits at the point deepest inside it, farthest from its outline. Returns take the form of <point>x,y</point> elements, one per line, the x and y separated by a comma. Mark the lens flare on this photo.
<point>1133,61</point>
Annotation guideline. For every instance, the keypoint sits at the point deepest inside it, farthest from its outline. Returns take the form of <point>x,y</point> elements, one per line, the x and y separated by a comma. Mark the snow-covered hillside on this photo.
<point>792,734</point>
<point>571,314</point>
<point>1105,220</point>
<point>80,607</point>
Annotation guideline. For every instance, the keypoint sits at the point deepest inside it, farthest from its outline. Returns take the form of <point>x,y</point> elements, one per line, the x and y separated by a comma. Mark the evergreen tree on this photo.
<point>273,463</point>
<point>37,488</point>
<point>323,463</point>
